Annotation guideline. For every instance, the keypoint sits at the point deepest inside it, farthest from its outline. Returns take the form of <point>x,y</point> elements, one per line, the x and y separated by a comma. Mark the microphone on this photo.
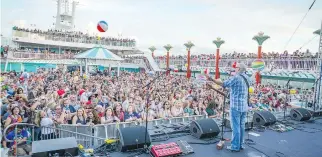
<point>288,81</point>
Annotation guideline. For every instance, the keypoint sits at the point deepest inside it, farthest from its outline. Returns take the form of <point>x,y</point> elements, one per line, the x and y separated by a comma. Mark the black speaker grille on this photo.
<point>194,130</point>
<point>258,120</point>
<point>206,127</point>
<point>133,138</point>
<point>301,114</point>
<point>264,118</point>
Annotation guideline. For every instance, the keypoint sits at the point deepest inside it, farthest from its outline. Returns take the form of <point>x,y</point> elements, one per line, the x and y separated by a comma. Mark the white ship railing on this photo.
<point>79,39</point>
<point>286,64</point>
<point>309,64</point>
<point>30,55</point>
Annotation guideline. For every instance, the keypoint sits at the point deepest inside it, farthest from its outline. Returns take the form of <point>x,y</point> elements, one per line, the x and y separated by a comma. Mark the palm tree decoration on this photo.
<point>260,38</point>
<point>218,42</point>
<point>152,49</point>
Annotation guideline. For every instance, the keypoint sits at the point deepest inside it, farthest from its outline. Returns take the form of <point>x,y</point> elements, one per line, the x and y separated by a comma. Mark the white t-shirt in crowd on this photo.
<point>49,123</point>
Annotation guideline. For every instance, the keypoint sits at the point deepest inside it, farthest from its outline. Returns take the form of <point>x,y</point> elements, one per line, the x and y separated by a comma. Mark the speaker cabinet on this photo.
<point>61,146</point>
<point>300,114</point>
<point>204,128</point>
<point>132,138</point>
<point>263,118</point>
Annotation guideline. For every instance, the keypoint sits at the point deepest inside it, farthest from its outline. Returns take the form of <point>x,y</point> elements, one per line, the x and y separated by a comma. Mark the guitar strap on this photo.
<point>247,84</point>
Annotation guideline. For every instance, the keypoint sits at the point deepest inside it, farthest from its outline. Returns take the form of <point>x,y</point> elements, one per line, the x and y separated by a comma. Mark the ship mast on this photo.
<point>65,17</point>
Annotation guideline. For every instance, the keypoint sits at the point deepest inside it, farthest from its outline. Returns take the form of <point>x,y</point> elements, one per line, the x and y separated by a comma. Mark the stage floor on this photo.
<point>305,142</point>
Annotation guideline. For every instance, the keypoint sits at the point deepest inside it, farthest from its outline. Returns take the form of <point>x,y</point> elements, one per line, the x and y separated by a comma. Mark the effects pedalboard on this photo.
<point>171,149</point>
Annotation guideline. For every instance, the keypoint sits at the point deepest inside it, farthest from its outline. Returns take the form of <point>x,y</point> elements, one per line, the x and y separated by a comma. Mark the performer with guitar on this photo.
<point>239,86</point>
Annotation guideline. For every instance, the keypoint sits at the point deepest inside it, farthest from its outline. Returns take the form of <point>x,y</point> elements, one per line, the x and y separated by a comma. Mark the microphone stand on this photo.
<point>314,99</point>
<point>287,96</point>
<point>222,140</point>
<point>147,110</point>
<point>223,111</point>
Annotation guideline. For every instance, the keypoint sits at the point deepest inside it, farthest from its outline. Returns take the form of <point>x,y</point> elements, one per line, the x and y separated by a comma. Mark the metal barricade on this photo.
<point>109,131</point>
<point>77,132</point>
<point>47,133</point>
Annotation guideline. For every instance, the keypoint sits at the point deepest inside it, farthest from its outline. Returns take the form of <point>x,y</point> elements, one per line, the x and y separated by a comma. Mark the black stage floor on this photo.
<point>302,142</point>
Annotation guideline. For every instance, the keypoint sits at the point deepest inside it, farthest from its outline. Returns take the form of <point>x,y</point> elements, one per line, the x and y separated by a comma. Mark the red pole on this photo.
<point>168,56</point>
<point>152,54</point>
<point>259,56</point>
<point>259,52</point>
<point>217,75</point>
<point>188,68</point>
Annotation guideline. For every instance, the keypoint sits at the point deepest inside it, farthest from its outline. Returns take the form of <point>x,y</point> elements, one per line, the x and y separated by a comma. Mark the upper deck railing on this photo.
<point>281,63</point>
<point>65,37</point>
<point>30,55</point>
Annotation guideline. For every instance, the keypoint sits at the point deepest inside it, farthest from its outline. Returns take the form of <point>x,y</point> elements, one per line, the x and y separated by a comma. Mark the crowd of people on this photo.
<point>296,61</point>
<point>49,98</point>
<point>237,55</point>
<point>75,36</point>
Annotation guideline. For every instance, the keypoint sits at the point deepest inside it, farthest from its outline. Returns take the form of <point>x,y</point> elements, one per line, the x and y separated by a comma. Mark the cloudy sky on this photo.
<point>160,22</point>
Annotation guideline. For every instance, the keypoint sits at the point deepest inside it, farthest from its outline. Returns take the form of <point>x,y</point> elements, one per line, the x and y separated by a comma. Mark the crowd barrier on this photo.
<point>96,133</point>
<point>78,131</point>
<point>108,131</point>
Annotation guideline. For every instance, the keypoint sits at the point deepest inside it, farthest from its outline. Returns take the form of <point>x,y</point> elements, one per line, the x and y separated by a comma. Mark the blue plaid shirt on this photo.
<point>238,91</point>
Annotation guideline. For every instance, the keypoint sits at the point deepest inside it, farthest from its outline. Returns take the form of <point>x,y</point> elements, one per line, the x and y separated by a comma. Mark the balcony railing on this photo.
<point>133,61</point>
<point>287,64</point>
<point>29,55</point>
<point>77,39</point>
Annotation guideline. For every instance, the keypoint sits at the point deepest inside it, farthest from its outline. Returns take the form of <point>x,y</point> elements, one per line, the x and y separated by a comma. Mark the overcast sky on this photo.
<point>160,22</point>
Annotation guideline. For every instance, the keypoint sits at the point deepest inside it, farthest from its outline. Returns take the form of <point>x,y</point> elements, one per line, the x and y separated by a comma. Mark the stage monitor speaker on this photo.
<point>204,128</point>
<point>263,118</point>
<point>132,138</point>
<point>61,147</point>
<point>300,114</point>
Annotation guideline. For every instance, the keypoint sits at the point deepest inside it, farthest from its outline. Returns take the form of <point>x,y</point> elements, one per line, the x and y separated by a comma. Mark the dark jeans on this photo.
<point>37,134</point>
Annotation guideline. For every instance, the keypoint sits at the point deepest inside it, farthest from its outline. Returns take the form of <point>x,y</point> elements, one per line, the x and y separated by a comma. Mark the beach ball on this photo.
<point>258,65</point>
<point>251,90</point>
<point>293,91</point>
<point>102,26</point>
